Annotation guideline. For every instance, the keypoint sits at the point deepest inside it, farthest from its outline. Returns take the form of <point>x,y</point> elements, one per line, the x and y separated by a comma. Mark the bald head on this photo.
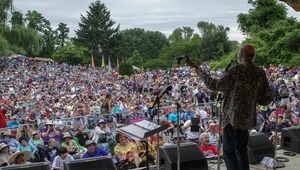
<point>246,53</point>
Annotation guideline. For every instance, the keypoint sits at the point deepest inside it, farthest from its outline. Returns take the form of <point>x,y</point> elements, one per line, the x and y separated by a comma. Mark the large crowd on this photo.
<point>57,112</point>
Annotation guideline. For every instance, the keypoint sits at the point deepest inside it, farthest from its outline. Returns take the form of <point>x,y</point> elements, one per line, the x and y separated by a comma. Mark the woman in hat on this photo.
<point>58,163</point>
<point>50,132</point>
<point>101,133</point>
<point>11,142</point>
<point>19,158</point>
<point>35,139</point>
<point>69,143</point>
<point>4,153</point>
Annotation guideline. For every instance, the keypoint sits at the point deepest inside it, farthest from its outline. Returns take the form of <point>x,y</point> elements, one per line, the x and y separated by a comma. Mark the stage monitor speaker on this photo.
<point>290,139</point>
<point>94,163</point>
<point>32,166</point>
<point>259,146</point>
<point>191,157</point>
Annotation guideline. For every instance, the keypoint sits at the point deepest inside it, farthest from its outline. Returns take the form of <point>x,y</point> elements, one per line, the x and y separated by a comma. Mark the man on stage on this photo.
<point>244,85</point>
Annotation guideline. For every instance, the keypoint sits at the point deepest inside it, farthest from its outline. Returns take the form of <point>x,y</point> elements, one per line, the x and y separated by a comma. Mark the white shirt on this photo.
<point>189,133</point>
<point>58,162</point>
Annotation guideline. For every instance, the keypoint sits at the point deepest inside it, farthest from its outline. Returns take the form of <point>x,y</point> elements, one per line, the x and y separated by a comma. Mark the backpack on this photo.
<point>283,91</point>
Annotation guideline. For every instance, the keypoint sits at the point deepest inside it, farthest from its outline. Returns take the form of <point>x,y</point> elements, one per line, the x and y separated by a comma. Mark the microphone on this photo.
<point>229,65</point>
<point>165,90</point>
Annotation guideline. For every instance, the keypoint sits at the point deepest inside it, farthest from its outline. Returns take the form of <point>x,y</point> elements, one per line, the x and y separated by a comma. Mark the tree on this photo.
<point>126,68</point>
<point>274,35</point>
<point>148,43</point>
<point>17,19</point>
<point>97,31</point>
<point>72,54</point>
<point>36,21</point>
<point>182,42</point>
<point>136,58</point>
<point>5,6</point>
<point>263,15</point>
<point>215,42</point>
<point>62,34</point>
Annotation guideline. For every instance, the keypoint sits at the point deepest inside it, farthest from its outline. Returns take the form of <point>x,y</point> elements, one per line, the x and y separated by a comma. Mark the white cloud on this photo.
<point>154,15</point>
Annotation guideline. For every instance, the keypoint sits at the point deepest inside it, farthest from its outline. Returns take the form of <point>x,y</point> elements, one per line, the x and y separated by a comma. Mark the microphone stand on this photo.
<point>157,140</point>
<point>278,163</point>
<point>220,102</point>
<point>178,138</point>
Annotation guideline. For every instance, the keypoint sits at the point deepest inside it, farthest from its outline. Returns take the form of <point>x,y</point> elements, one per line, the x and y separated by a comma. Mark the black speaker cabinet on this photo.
<point>32,166</point>
<point>191,157</point>
<point>290,139</point>
<point>95,163</point>
<point>259,146</point>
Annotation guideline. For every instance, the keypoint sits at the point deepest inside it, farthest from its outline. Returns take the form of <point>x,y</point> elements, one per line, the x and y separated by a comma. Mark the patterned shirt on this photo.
<point>244,85</point>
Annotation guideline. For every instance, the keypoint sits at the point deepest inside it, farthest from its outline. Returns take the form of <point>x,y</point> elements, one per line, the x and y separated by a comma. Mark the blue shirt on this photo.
<point>13,124</point>
<point>173,117</point>
<point>187,115</point>
<point>98,152</point>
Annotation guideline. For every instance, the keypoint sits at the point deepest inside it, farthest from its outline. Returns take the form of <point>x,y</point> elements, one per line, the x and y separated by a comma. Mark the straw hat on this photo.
<point>67,135</point>
<point>3,145</point>
<point>34,132</point>
<point>89,142</point>
<point>13,157</point>
<point>7,133</point>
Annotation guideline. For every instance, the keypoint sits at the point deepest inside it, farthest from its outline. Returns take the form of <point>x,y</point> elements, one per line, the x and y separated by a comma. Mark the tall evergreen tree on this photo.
<point>97,31</point>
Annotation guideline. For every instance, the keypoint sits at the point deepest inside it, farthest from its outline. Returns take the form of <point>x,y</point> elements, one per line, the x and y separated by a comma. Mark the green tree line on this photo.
<point>266,25</point>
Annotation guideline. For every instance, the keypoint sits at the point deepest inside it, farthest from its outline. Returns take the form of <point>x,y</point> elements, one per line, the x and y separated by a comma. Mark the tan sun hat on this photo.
<point>7,133</point>
<point>89,142</point>
<point>3,145</point>
<point>12,158</point>
<point>67,135</point>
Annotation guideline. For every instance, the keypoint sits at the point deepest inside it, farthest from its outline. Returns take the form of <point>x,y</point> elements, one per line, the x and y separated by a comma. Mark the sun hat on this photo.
<point>13,157</point>
<point>89,142</point>
<point>7,133</point>
<point>3,145</point>
<point>34,132</point>
<point>67,135</point>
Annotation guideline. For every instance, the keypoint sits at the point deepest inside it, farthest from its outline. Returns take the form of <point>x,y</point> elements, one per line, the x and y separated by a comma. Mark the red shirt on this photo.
<point>208,150</point>
<point>3,118</point>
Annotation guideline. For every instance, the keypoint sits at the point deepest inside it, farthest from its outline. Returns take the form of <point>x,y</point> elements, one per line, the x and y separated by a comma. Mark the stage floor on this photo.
<point>292,164</point>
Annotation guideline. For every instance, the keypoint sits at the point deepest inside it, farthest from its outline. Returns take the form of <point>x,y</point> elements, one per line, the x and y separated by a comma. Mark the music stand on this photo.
<point>141,130</point>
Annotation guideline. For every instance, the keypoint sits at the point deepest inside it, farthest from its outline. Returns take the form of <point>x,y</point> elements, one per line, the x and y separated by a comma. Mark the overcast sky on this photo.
<point>153,15</point>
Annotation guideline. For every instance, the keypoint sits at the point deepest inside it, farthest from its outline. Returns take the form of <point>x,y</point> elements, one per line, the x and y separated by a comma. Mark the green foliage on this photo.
<point>97,32</point>
<point>215,42</point>
<point>156,64</point>
<point>5,6</point>
<point>275,36</point>
<point>17,19</point>
<point>263,16</point>
<point>126,69</point>
<point>148,43</point>
<point>62,34</point>
<point>23,40</point>
<point>224,61</point>
<point>182,42</point>
<point>136,58</point>
<point>36,21</point>
<point>72,54</point>
<point>4,46</point>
